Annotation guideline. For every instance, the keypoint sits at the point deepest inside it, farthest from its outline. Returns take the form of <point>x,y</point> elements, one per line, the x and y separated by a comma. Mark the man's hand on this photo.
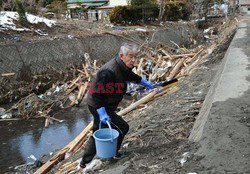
<point>147,84</point>
<point>103,116</point>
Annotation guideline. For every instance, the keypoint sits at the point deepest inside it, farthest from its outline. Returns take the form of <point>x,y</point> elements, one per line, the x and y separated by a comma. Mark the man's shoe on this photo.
<point>119,156</point>
<point>82,165</point>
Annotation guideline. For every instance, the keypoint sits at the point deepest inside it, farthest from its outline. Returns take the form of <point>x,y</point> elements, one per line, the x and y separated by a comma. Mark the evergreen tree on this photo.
<point>142,2</point>
<point>21,12</point>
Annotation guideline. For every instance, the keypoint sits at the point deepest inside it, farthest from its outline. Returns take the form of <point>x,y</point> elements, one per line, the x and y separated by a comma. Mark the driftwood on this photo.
<point>165,91</point>
<point>10,119</point>
<point>74,82</point>
<point>134,105</point>
<point>46,122</point>
<point>85,70</point>
<point>145,99</point>
<point>183,55</point>
<point>80,137</point>
<point>81,93</point>
<point>66,167</point>
<point>175,70</point>
<point>7,74</point>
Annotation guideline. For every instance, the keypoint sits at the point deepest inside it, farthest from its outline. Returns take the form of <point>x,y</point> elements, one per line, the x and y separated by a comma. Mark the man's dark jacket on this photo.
<point>115,73</point>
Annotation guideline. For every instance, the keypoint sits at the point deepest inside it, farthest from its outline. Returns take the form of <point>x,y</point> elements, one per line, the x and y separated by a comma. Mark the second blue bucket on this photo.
<point>106,142</point>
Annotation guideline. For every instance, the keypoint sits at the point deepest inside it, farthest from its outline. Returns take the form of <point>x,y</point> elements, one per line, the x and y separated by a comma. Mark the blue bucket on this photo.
<point>106,142</point>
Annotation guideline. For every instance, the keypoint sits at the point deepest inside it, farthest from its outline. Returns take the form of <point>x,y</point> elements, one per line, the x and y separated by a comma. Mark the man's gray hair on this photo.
<point>128,47</point>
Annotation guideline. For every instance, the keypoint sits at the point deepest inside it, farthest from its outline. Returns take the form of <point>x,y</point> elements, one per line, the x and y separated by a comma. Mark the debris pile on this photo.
<point>58,97</point>
<point>166,62</point>
<point>156,66</point>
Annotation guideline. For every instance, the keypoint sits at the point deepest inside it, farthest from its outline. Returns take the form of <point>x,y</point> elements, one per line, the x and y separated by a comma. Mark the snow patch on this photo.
<point>7,20</point>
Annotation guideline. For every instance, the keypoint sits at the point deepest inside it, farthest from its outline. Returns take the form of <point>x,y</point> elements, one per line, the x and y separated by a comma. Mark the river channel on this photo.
<point>21,139</point>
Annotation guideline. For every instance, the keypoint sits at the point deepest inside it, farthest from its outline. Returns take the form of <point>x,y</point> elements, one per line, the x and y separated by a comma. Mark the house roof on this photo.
<point>97,4</point>
<point>85,1</point>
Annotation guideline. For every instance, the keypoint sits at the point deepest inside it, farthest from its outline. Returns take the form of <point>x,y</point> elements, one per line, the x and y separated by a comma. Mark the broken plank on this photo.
<point>80,71</point>
<point>165,91</point>
<point>175,70</point>
<point>80,137</point>
<point>68,166</point>
<point>74,82</point>
<point>81,93</point>
<point>49,164</point>
<point>71,89</point>
<point>46,122</point>
<point>85,70</point>
<point>139,65</point>
<point>139,102</point>
<point>194,56</point>
<point>52,118</point>
<point>7,74</point>
<point>10,119</point>
<point>183,55</point>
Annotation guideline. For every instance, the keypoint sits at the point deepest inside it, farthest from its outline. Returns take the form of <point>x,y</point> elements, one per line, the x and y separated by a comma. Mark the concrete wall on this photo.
<point>117,3</point>
<point>38,56</point>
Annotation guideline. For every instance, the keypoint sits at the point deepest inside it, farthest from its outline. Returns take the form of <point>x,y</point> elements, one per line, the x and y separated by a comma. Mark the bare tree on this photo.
<point>162,9</point>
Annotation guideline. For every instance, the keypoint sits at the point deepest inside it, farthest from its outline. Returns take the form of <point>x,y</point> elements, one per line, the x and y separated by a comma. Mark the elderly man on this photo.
<point>105,93</point>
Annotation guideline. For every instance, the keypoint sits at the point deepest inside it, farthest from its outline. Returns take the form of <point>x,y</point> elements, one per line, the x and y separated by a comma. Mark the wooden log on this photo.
<point>165,53</point>
<point>80,137</point>
<point>95,67</point>
<point>71,89</point>
<point>85,70</point>
<point>139,65</point>
<point>139,102</point>
<point>175,70</point>
<point>194,56</point>
<point>49,164</point>
<point>46,122</point>
<point>82,143</point>
<point>10,119</point>
<point>159,61</point>
<point>52,118</point>
<point>80,71</point>
<point>183,55</point>
<point>145,99</point>
<point>7,74</point>
<point>67,167</point>
<point>81,93</point>
<point>187,69</point>
<point>74,82</point>
<point>167,90</point>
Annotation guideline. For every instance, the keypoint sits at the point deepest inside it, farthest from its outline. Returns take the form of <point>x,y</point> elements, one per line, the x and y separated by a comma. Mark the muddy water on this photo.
<point>20,139</point>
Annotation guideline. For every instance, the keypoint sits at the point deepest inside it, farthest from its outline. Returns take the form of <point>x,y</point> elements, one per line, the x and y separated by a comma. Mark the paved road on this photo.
<point>223,126</point>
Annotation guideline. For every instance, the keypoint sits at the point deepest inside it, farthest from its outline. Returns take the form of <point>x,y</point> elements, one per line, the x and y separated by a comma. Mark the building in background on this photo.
<point>105,10</point>
<point>85,9</point>
<point>245,6</point>
<point>92,10</point>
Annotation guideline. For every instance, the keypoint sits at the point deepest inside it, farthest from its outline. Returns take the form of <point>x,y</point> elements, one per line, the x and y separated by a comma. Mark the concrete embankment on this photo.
<point>61,53</point>
<point>222,126</point>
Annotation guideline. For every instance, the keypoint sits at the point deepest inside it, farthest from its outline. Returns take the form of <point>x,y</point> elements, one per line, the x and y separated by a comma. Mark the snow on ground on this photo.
<point>7,20</point>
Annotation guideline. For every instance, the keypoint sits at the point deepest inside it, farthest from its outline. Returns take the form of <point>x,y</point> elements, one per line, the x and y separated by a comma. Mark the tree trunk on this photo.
<point>162,10</point>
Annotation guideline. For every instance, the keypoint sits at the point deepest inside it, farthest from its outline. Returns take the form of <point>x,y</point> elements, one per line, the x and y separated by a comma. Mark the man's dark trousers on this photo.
<point>117,123</point>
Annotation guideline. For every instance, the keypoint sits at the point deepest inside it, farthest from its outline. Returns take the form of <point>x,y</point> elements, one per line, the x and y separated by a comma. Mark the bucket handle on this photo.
<point>111,132</point>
